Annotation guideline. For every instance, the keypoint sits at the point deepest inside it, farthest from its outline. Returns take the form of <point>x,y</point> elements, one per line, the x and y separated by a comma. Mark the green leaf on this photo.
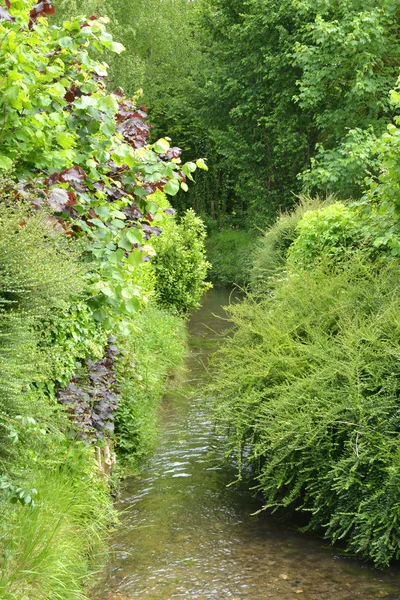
<point>65,140</point>
<point>189,168</point>
<point>97,222</point>
<point>135,258</point>
<point>102,211</point>
<point>108,128</point>
<point>5,162</point>
<point>116,257</point>
<point>152,207</point>
<point>161,146</point>
<point>172,187</point>
<point>118,223</point>
<point>201,164</point>
<point>124,242</point>
<point>134,235</point>
<point>117,47</point>
<point>132,305</point>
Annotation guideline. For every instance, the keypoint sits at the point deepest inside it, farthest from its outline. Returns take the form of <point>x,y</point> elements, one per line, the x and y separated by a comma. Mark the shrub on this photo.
<point>180,264</point>
<point>328,234</point>
<point>230,255</point>
<point>272,248</point>
<point>39,268</point>
<point>308,391</point>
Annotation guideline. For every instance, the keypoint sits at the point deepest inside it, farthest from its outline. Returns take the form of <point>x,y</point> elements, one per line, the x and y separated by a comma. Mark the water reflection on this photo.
<point>185,534</point>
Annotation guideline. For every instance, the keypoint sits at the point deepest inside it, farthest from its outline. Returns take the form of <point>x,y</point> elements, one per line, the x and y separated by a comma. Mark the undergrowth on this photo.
<point>230,254</point>
<point>55,550</point>
<point>150,354</point>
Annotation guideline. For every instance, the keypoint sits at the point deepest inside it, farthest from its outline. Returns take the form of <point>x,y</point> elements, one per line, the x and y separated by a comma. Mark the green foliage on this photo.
<point>52,551</point>
<point>67,339</point>
<point>270,254</point>
<point>150,354</point>
<point>153,34</point>
<point>59,118</point>
<point>308,117</point>
<point>328,235</point>
<point>258,139</point>
<point>39,271</point>
<point>380,203</point>
<point>230,254</point>
<point>342,169</point>
<point>39,268</point>
<point>307,390</point>
<point>348,56</point>
<point>77,214</point>
<point>180,264</point>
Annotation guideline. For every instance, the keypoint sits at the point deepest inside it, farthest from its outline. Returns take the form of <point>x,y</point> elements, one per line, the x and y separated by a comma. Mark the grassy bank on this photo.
<point>151,354</point>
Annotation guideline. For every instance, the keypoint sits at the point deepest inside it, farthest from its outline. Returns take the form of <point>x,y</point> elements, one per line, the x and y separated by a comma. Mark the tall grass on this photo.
<point>52,551</point>
<point>150,354</point>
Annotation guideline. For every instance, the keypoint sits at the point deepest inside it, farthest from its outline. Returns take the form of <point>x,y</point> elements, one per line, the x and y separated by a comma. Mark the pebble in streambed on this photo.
<point>185,534</point>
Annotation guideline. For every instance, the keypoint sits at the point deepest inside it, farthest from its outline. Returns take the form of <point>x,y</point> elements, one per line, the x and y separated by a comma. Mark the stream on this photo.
<point>185,534</point>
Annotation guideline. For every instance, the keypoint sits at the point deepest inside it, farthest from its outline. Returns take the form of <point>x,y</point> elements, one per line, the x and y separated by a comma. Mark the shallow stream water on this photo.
<point>185,534</point>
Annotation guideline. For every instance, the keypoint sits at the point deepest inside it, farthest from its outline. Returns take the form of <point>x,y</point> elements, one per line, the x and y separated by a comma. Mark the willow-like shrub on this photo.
<point>308,390</point>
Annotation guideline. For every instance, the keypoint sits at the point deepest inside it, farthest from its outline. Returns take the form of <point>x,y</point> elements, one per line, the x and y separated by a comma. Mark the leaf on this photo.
<point>117,47</point>
<point>108,128</point>
<point>201,164</point>
<point>102,211</point>
<point>135,258</point>
<point>134,235</point>
<point>132,305</point>
<point>5,15</point>
<point>161,146</point>
<point>172,187</point>
<point>98,223</point>
<point>58,199</point>
<point>65,140</point>
<point>5,162</point>
<point>124,242</point>
<point>189,168</point>
<point>118,223</point>
<point>151,207</point>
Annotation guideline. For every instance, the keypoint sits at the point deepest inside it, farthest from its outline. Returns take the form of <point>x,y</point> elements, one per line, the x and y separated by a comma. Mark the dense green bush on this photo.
<point>39,268</point>
<point>230,254</point>
<point>271,250</point>
<point>180,264</point>
<point>328,234</point>
<point>308,390</point>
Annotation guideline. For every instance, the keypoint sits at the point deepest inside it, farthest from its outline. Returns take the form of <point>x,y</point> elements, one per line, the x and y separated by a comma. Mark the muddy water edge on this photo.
<point>185,534</point>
